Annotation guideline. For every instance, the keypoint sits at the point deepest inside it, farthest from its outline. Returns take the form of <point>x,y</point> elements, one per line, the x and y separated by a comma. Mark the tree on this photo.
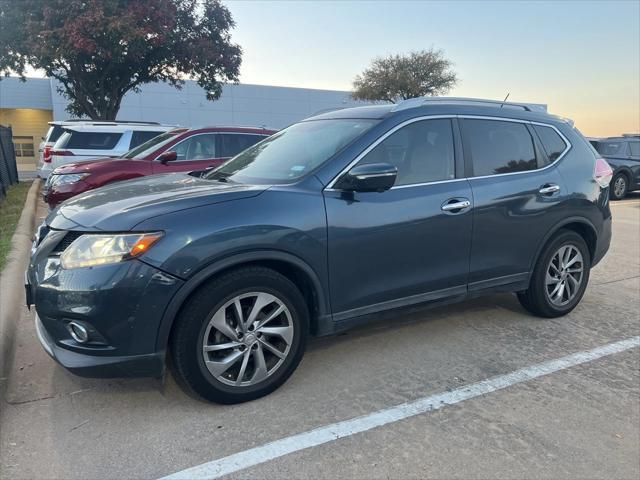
<point>398,77</point>
<point>101,49</point>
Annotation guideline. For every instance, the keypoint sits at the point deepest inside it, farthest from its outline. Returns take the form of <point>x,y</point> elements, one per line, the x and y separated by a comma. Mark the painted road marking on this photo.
<point>255,456</point>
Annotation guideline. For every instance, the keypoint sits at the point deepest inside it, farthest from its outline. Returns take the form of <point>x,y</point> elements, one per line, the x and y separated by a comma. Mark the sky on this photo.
<point>582,59</point>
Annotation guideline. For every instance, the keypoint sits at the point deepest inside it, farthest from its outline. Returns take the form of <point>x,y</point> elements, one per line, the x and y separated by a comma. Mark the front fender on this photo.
<point>222,264</point>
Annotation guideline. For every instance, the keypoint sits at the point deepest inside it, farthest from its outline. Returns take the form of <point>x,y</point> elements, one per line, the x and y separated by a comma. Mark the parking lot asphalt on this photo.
<point>579,422</point>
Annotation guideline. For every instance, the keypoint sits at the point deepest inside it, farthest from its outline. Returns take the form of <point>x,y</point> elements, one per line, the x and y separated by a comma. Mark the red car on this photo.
<point>179,150</point>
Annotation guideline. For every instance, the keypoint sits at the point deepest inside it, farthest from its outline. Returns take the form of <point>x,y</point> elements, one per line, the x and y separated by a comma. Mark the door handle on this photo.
<point>549,189</point>
<point>454,204</point>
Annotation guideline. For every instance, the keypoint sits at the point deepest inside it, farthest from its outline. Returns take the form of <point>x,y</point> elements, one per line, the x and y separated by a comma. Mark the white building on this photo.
<point>28,106</point>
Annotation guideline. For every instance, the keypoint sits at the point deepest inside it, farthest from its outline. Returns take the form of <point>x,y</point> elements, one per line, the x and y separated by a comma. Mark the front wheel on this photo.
<point>241,336</point>
<point>560,278</point>
<point>619,187</point>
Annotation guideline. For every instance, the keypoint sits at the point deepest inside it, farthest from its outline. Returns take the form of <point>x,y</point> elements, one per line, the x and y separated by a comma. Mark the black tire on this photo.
<point>535,299</point>
<point>188,333</point>
<point>619,186</point>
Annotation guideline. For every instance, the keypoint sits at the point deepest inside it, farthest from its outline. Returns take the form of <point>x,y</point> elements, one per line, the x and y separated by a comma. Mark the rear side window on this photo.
<point>552,143</point>
<point>634,149</point>
<point>53,134</point>
<point>141,136</point>
<point>609,148</point>
<point>90,140</point>
<point>497,146</point>
<point>231,144</point>
<point>422,152</point>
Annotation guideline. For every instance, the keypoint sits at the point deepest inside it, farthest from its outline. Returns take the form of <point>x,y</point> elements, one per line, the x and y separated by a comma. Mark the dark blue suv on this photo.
<point>324,225</point>
<point>623,154</point>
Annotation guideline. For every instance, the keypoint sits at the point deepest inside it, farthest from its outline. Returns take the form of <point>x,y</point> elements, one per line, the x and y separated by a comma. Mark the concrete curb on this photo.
<point>12,281</point>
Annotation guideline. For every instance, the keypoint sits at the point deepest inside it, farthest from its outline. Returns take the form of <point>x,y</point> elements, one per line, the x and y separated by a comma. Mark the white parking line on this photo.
<point>329,433</point>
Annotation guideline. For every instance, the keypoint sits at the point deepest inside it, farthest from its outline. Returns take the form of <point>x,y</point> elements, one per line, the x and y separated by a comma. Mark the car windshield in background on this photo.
<point>53,134</point>
<point>150,146</point>
<point>608,148</point>
<point>291,153</point>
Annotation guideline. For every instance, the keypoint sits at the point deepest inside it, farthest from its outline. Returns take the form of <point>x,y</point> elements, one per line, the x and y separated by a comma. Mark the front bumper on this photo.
<point>150,365</point>
<point>121,306</point>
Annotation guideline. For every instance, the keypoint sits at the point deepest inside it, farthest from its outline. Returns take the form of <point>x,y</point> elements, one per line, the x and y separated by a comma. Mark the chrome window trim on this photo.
<point>265,135</point>
<point>564,152</point>
<point>379,140</point>
<point>329,187</point>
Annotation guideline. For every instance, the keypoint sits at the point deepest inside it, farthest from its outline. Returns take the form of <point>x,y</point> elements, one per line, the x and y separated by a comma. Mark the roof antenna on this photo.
<point>505,99</point>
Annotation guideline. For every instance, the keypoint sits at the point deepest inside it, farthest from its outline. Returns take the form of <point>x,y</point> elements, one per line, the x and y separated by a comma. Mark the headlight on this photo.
<point>91,250</point>
<point>57,180</point>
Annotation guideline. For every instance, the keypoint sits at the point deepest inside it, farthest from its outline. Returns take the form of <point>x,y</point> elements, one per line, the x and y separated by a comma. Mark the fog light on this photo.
<point>78,332</point>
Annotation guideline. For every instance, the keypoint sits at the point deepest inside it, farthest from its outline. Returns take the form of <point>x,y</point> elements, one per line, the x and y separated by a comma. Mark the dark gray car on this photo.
<point>623,154</point>
<point>331,222</point>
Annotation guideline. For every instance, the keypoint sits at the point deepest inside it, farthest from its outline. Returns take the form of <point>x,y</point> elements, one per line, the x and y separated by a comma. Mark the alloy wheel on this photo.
<point>247,339</point>
<point>620,187</point>
<point>564,275</point>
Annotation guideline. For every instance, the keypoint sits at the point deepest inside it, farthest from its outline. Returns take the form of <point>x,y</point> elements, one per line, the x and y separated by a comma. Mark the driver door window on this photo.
<point>421,151</point>
<point>197,147</point>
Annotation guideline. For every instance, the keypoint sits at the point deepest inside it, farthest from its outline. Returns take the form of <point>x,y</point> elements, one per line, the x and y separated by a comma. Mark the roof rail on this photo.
<point>253,127</point>
<point>105,122</point>
<point>632,135</point>
<point>420,101</point>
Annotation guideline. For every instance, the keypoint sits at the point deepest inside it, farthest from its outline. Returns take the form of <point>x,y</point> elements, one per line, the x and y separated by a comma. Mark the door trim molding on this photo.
<point>400,303</point>
<point>499,281</point>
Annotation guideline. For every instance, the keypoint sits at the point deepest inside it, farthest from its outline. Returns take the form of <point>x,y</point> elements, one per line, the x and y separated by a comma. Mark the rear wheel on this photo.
<point>619,187</point>
<point>560,278</point>
<point>241,336</point>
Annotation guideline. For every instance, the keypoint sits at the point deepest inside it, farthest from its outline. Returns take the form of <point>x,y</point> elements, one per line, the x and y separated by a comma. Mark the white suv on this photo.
<point>49,140</point>
<point>86,140</point>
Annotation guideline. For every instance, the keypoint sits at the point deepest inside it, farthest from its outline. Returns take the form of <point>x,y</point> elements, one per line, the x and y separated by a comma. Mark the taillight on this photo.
<point>46,154</point>
<point>602,173</point>
<point>62,153</point>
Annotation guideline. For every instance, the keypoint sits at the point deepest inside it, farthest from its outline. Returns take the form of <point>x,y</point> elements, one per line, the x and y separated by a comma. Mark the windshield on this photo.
<point>608,148</point>
<point>150,146</point>
<point>291,153</point>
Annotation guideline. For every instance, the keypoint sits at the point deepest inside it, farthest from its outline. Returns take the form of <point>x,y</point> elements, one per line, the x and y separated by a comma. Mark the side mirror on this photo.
<point>167,157</point>
<point>372,177</point>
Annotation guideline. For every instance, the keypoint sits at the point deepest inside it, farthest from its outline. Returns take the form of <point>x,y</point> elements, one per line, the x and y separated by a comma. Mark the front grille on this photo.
<point>66,241</point>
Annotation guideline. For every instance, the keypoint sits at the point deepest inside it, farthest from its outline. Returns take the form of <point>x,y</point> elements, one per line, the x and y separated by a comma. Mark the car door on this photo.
<point>633,147</point>
<point>404,245</point>
<point>518,196</point>
<point>197,152</point>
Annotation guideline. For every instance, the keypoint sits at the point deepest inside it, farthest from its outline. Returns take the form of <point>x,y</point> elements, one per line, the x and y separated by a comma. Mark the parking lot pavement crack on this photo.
<point>617,280</point>
<point>31,400</point>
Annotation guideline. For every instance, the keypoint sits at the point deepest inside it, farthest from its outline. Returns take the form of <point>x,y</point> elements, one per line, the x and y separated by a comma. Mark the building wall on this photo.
<point>32,93</point>
<point>28,127</point>
<point>28,106</point>
<point>243,104</point>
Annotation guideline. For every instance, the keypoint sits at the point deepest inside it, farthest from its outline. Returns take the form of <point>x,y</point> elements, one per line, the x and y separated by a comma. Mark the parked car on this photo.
<point>82,141</point>
<point>623,154</point>
<point>178,150</point>
<point>48,141</point>
<point>335,220</point>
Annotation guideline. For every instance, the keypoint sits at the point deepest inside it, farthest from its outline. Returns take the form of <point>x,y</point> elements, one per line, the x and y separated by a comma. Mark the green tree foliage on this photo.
<point>399,77</point>
<point>101,49</point>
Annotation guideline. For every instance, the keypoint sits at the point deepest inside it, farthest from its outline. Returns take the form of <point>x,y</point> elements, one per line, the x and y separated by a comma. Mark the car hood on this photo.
<point>90,166</point>
<point>121,206</point>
